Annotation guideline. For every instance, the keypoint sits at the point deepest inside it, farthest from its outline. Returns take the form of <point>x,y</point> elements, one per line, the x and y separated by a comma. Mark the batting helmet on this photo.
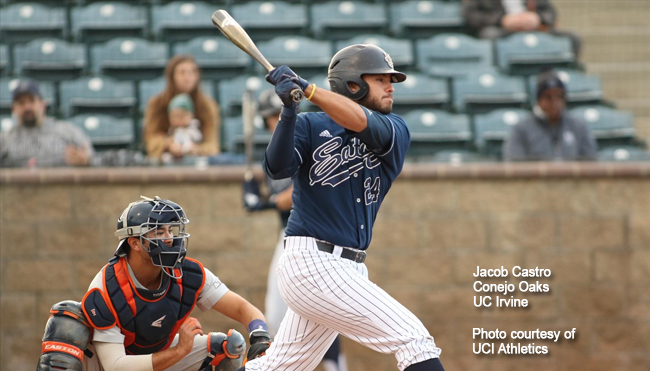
<point>354,61</point>
<point>269,104</point>
<point>142,219</point>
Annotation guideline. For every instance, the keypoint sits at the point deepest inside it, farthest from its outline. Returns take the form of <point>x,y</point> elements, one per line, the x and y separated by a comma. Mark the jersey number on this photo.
<point>372,190</point>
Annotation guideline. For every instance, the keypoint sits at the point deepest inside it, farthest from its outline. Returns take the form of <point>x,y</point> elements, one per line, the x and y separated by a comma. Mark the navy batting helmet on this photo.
<point>354,61</point>
<point>143,219</point>
<point>269,104</point>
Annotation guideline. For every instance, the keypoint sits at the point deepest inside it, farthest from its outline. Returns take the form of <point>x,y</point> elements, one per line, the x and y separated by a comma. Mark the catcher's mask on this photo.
<point>161,223</point>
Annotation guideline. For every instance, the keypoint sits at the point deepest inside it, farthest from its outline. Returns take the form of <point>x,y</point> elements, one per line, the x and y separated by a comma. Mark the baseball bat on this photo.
<point>236,34</point>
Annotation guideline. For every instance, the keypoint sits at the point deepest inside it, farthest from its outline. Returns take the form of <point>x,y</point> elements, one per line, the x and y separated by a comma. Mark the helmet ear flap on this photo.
<point>341,86</point>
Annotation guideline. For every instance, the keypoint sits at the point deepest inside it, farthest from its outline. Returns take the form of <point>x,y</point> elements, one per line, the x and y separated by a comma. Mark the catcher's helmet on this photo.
<point>354,61</point>
<point>142,219</point>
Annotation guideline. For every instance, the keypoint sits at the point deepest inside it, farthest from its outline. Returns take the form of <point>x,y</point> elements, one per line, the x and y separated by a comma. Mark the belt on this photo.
<point>355,256</point>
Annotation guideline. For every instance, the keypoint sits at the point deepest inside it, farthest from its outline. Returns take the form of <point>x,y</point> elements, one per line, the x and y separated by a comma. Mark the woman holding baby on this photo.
<point>181,120</point>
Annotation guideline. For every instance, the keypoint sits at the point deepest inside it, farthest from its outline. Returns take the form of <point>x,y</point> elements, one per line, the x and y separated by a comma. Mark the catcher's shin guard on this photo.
<point>225,352</point>
<point>66,338</point>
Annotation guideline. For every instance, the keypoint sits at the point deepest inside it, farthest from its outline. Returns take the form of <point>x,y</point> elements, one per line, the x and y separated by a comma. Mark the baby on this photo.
<point>183,126</point>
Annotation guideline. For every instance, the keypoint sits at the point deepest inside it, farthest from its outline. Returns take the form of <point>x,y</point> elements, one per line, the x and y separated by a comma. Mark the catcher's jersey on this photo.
<point>340,183</point>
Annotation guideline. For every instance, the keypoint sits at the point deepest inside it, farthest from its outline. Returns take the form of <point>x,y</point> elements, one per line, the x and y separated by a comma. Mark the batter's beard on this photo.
<point>375,105</point>
<point>29,119</point>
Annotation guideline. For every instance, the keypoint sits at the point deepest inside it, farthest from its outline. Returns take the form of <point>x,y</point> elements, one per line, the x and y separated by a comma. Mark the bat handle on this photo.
<point>297,95</point>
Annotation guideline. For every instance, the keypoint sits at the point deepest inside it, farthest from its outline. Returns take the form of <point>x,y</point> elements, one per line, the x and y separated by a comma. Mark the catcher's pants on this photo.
<point>328,295</point>
<point>191,362</point>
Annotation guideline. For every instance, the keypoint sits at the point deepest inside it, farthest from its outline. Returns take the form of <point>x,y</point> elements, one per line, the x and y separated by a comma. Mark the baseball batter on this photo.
<point>342,162</point>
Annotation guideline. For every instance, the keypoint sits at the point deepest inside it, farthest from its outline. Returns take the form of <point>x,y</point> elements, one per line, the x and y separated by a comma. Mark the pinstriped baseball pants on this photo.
<point>328,295</point>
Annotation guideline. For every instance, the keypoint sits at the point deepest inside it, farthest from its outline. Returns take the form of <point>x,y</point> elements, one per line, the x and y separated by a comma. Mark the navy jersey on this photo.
<point>339,182</point>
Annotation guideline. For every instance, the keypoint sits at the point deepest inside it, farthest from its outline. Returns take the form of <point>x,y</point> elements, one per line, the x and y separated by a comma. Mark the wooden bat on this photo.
<point>236,34</point>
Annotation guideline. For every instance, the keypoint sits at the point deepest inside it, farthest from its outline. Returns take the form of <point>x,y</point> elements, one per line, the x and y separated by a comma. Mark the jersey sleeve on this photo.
<point>397,139</point>
<point>300,152</point>
<point>213,291</point>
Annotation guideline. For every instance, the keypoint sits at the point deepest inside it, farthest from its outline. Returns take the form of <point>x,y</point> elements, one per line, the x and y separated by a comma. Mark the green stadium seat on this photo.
<point>231,92</point>
<point>456,157</point>
<point>97,94</point>
<point>483,91</point>
<point>420,91</point>
<point>147,89</point>
<point>342,19</point>
<point>528,52</point>
<point>4,60</point>
<point>233,138</point>
<point>217,57</point>
<point>437,130</point>
<point>24,22</point>
<point>102,21</point>
<point>49,59</point>
<point>422,19</point>
<point>400,50</point>
<point>609,126</point>
<point>182,20</point>
<point>305,56</point>
<point>129,58</point>
<point>7,85</point>
<point>264,20</point>
<point>492,128</point>
<point>451,55</point>
<point>582,89</point>
<point>106,131</point>
<point>623,154</point>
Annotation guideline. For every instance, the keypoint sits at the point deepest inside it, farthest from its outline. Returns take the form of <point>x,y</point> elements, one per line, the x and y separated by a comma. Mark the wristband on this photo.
<point>313,90</point>
<point>257,324</point>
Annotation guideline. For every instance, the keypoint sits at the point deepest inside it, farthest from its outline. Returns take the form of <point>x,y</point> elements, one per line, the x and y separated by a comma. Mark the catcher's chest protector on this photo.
<point>149,320</point>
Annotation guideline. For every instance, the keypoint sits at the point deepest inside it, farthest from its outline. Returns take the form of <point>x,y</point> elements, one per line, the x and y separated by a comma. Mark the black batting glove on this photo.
<point>260,341</point>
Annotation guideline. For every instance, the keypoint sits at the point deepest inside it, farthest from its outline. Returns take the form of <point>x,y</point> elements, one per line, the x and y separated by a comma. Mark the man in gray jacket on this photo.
<point>550,134</point>
<point>38,140</point>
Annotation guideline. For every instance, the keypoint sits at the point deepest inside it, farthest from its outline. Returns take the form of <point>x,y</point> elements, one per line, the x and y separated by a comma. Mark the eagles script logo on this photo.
<point>388,60</point>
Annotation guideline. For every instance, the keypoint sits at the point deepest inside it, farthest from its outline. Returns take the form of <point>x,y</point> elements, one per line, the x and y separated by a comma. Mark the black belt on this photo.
<point>355,256</point>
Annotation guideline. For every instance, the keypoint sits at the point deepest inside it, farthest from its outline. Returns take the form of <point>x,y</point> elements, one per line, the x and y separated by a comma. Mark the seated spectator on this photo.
<point>184,129</point>
<point>183,77</point>
<point>492,19</point>
<point>550,134</point>
<point>39,140</point>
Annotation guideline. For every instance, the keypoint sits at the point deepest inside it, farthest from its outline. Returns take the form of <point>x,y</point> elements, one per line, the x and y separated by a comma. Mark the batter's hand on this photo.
<point>283,89</point>
<point>188,330</point>
<point>260,341</point>
<point>274,76</point>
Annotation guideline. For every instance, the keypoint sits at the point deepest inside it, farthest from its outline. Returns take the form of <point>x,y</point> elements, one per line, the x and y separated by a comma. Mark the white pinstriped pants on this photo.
<point>328,295</point>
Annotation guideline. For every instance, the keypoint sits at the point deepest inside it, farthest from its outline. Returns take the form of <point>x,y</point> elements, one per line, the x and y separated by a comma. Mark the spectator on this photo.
<point>39,140</point>
<point>550,134</point>
<point>183,126</point>
<point>492,19</point>
<point>182,76</point>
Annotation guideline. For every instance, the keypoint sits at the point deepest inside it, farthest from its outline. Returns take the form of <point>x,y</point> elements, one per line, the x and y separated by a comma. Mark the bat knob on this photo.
<point>297,95</point>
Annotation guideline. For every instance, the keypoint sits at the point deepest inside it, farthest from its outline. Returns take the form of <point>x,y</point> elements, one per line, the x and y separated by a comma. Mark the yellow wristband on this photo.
<point>313,90</point>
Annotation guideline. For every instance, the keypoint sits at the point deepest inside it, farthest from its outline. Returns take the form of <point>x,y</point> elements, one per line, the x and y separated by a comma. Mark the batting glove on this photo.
<point>260,341</point>
<point>276,75</point>
<point>283,89</point>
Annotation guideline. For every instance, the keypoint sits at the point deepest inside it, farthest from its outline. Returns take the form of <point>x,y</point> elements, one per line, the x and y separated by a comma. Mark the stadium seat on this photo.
<point>182,21</point>
<point>49,59</point>
<point>436,130</point>
<point>623,154</point>
<point>609,126</point>
<point>147,89</point>
<point>233,138</point>
<point>422,19</point>
<point>492,128</point>
<point>322,82</point>
<point>24,22</point>
<point>7,85</point>
<point>231,92</point>
<point>129,58</point>
<point>98,94</point>
<point>450,55</point>
<point>400,50</point>
<point>420,91</point>
<point>456,157</point>
<point>105,131</point>
<point>99,22</point>
<point>217,57</point>
<point>264,20</point>
<point>4,60</point>
<point>305,56</point>
<point>526,53</point>
<point>581,88</point>
<point>483,91</point>
<point>340,20</point>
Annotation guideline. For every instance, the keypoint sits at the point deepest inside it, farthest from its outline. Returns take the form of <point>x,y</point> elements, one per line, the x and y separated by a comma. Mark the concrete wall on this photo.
<point>593,233</point>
